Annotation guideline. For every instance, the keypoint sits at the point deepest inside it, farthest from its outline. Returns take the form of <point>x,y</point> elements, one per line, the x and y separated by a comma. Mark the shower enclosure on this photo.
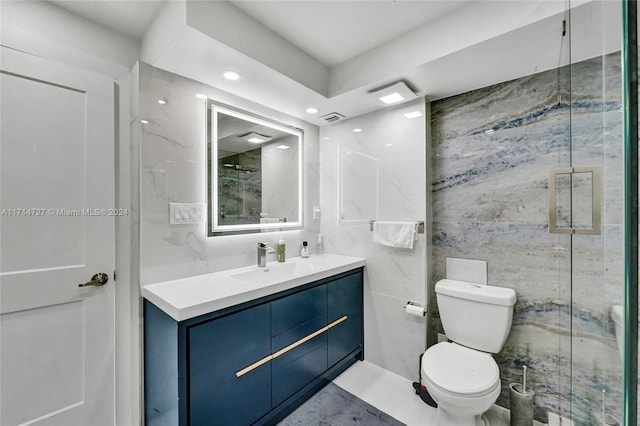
<point>536,176</point>
<point>594,391</point>
<point>597,217</point>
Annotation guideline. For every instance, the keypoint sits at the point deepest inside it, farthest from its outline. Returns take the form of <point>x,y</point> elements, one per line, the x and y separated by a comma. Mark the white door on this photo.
<point>56,231</point>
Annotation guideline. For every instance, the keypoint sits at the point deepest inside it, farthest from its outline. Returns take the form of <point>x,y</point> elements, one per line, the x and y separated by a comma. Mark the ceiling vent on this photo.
<point>332,117</point>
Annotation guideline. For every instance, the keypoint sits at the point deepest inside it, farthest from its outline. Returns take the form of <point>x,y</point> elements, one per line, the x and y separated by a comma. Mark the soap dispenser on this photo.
<point>304,252</point>
<point>281,250</point>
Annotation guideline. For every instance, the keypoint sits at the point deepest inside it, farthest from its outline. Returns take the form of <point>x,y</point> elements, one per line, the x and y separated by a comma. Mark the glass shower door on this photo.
<point>595,213</point>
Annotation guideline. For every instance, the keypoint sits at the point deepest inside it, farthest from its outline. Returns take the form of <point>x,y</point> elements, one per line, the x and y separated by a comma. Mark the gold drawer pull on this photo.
<point>254,365</point>
<point>290,347</point>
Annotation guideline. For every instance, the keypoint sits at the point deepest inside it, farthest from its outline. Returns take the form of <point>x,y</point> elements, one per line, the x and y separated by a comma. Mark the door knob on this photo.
<point>97,280</point>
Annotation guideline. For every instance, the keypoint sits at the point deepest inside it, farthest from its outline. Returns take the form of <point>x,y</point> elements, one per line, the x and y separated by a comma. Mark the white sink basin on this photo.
<point>276,272</point>
<point>189,297</point>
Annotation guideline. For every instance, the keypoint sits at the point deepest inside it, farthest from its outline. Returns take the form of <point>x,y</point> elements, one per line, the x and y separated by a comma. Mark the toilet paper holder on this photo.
<point>416,309</point>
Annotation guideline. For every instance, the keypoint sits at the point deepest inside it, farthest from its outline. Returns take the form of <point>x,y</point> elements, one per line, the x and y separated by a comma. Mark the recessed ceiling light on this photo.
<point>357,130</point>
<point>144,121</point>
<point>392,98</point>
<point>283,147</point>
<point>388,144</point>
<point>254,137</point>
<point>312,110</point>
<point>162,101</point>
<point>231,75</point>
<point>394,93</point>
<point>413,114</point>
<point>201,96</point>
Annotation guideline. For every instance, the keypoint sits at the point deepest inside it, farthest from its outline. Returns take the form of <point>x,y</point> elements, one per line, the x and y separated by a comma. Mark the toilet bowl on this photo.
<point>462,381</point>
<point>461,375</point>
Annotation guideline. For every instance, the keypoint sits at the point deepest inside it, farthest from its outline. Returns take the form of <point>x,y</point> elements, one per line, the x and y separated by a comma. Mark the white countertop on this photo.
<point>187,298</point>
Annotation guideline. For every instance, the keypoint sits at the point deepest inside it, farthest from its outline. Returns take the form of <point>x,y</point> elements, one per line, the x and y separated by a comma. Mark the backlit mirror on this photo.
<point>255,173</point>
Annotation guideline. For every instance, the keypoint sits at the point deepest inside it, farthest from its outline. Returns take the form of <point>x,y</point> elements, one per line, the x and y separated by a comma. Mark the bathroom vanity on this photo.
<point>248,346</point>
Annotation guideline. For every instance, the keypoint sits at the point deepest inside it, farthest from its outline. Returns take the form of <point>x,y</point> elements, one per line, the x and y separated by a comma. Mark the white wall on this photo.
<point>393,339</point>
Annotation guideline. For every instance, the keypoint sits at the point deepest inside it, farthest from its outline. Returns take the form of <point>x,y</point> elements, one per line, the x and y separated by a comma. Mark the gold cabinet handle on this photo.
<point>290,347</point>
<point>254,366</point>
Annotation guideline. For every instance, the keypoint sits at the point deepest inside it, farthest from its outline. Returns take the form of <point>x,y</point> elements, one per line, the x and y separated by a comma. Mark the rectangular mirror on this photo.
<point>254,173</point>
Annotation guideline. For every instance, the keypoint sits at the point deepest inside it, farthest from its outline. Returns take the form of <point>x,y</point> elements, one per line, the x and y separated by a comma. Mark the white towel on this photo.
<point>394,234</point>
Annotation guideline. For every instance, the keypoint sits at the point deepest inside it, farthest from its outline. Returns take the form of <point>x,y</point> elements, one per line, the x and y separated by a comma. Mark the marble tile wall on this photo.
<point>172,163</point>
<point>492,151</point>
<point>384,179</point>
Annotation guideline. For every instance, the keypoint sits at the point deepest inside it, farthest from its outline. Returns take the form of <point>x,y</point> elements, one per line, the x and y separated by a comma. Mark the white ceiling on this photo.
<point>330,54</point>
<point>335,31</point>
<point>331,31</point>
<point>128,17</point>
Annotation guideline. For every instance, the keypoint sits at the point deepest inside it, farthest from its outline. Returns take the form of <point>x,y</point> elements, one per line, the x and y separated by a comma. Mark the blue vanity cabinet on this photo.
<point>294,318</point>
<point>344,298</point>
<point>218,351</point>
<point>253,363</point>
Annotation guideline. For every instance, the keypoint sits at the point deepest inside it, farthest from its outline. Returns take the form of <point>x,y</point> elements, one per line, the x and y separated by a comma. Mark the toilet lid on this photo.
<point>459,370</point>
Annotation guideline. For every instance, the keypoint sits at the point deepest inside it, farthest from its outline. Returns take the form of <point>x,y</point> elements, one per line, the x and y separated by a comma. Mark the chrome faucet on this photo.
<point>263,250</point>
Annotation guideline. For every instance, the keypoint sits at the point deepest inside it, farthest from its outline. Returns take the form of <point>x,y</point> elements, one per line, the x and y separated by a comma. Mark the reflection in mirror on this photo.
<point>255,173</point>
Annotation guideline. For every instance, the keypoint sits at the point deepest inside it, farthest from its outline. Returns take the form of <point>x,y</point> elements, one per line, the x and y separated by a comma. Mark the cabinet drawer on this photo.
<point>293,370</point>
<point>293,335</point>
<point>298,308</point>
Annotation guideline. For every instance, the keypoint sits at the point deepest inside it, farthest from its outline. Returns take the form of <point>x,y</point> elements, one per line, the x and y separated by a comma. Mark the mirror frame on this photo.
<point>214,228</point>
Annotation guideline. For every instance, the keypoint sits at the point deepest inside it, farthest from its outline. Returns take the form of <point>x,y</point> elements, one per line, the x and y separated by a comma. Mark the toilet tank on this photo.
<point>474,315</point>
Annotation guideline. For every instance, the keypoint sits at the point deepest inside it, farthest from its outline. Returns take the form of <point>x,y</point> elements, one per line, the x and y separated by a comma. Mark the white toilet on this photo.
<point>462,376</point>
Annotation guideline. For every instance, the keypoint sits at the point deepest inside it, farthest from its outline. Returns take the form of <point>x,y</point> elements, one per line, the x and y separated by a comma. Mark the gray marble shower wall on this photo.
<point>492,150</point>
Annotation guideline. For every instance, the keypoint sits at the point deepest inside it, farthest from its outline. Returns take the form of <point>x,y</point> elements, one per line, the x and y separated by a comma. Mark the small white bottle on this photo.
<point>319,244</point>
<point>304,251</point>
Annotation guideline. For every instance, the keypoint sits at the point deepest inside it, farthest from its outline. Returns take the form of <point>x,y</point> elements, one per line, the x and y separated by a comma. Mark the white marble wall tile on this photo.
<point>393,339</point>
<point>172,169</point>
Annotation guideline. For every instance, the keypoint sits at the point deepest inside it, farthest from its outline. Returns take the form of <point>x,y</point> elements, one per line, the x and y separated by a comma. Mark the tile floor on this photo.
<point>394,395</point>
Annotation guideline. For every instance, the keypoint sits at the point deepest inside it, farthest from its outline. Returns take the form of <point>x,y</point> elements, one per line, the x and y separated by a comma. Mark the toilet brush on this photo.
<point>521,402</point>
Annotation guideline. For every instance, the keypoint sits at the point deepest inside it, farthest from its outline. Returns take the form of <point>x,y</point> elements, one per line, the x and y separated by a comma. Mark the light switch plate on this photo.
<point>183,213</point>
